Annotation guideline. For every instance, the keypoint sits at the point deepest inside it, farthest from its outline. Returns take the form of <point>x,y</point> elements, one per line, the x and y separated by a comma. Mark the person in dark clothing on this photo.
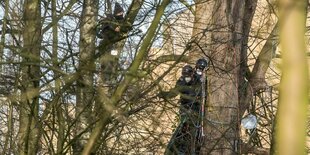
<point>180,142</point>
<point>109,27</point>
<point>110,30</point>
<point>199,83</point>
<point>200,66</point>
<point>188,86</point>
<point>187,137</point>
<point>184,88</point>
<point>182,84</point>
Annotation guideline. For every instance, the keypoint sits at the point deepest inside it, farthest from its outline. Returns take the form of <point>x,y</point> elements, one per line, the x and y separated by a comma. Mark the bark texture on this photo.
<point>292,116</point>
<point>29,106</point>
<point>85,83</point>
<point>230,25</point>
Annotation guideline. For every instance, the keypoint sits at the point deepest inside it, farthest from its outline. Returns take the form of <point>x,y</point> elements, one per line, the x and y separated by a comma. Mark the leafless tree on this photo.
<point>55,101</point>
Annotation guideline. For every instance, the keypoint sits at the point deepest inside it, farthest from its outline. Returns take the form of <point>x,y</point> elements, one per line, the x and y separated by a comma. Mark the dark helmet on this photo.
<point>118,9</point>
<point>187,70</point>
<point>201,63</point>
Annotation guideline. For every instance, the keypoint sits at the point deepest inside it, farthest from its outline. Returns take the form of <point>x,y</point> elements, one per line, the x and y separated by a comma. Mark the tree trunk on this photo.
<point>245,89</point>
<point>60,125</point>
<point>222,115</point>
<point>256,80</point>
<point>293,108</point>
<point>199,34</point>
<point>29,105</point>
<point>85,83</point>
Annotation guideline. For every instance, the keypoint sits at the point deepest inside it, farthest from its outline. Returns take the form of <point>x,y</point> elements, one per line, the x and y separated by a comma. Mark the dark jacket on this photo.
<point>106,27</point>
<point>188,94</point>
<point>197,82</point>
<point>186,90</point>
<point>197,86</point>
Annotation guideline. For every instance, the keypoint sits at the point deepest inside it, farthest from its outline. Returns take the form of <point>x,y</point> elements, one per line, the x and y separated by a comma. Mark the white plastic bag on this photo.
<point>249,122</point>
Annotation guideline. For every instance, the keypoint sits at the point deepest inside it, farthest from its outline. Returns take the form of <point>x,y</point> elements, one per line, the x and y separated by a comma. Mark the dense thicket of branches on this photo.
<point>54,99</point>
